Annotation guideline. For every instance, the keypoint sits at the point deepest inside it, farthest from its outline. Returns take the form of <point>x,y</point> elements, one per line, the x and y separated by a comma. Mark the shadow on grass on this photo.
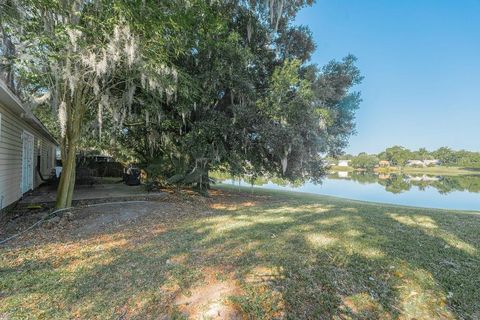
<point>298,257</point>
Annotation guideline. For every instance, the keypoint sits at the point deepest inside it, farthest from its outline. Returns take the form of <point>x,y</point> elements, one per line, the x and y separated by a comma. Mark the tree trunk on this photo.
<point>67,179</point>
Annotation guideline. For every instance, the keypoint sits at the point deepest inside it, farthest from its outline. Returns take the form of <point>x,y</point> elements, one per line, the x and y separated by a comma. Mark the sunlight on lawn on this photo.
<point>419,295</point>
<point>228,223</point>
<point>233,207</point>
<point>430,227</point>
<point>415,220</point>
<point>320,240</point>
<point>362,305</point>
<point>312,208</point>
<point>296,257</point>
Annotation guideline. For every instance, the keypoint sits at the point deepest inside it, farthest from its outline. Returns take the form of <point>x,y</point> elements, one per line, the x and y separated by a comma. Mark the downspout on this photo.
<point>38,170</point>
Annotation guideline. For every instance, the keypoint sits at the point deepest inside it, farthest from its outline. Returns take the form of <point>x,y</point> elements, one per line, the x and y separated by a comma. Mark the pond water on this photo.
<point>445,192</point>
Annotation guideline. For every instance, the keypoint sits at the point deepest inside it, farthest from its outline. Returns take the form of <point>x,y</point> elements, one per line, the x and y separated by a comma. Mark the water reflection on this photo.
<point>398,183</point>
<point>446,192</point>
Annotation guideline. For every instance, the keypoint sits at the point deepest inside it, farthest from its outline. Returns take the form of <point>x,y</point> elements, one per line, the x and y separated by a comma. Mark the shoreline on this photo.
<point>289,193</point>
<point>443,171</point>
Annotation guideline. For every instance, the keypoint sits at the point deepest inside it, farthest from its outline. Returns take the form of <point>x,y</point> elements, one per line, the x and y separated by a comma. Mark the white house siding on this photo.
<point>343,163</point>
<point>12,127</point>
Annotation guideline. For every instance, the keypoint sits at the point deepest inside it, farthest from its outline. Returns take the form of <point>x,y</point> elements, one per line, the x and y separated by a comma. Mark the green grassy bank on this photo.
<point>270,255</point>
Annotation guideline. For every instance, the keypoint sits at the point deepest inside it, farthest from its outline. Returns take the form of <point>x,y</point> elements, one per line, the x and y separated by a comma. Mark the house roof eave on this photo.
<point>11,101</point>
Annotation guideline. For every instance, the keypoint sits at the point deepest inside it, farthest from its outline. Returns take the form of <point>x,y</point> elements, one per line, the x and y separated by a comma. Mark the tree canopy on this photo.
<point>365,161</point>
<point>181,86</point>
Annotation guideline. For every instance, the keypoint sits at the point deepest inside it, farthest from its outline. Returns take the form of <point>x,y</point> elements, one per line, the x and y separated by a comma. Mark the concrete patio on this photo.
<point>108,191</point>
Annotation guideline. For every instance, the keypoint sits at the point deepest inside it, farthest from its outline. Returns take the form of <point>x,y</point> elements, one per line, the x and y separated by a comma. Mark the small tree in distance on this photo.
<point>364,161</point>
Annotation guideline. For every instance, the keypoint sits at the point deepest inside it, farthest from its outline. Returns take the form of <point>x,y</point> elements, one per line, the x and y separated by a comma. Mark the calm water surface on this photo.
<point>445,192</point>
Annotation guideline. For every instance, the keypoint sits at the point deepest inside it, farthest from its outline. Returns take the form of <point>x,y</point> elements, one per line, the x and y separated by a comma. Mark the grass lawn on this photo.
<point>240,255</point>
<point>439,170</point>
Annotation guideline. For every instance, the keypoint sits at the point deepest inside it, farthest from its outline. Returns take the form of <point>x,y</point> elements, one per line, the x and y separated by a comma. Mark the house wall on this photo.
<point>11,149</point>
<point>343,163</point>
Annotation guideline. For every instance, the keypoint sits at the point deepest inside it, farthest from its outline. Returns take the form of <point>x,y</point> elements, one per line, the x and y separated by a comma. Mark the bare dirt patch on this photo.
<point>210,299</point>
<point>96,219</point>
<point>123,214</point>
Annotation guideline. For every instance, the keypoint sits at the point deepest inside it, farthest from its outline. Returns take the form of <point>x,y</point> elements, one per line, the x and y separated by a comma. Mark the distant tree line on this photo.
<point>398,156</point>
<point>396,183</point>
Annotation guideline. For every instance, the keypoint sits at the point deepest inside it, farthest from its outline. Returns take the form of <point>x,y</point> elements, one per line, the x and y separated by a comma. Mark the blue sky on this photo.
<point>421,62</point>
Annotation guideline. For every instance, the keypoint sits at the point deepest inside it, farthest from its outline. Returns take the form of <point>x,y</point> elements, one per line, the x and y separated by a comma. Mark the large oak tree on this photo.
<point>188,86</point>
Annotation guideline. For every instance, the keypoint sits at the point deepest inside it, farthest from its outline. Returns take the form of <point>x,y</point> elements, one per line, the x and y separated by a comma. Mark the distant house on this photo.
<point>415,163</point>
<point>27,149</point>
<point>384,163</point>
<point>424,163</point>
<point>433,162</point>
<point>343,163</point>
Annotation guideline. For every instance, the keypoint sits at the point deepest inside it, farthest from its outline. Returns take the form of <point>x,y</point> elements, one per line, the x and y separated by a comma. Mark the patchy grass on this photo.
<point>241,255</point>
